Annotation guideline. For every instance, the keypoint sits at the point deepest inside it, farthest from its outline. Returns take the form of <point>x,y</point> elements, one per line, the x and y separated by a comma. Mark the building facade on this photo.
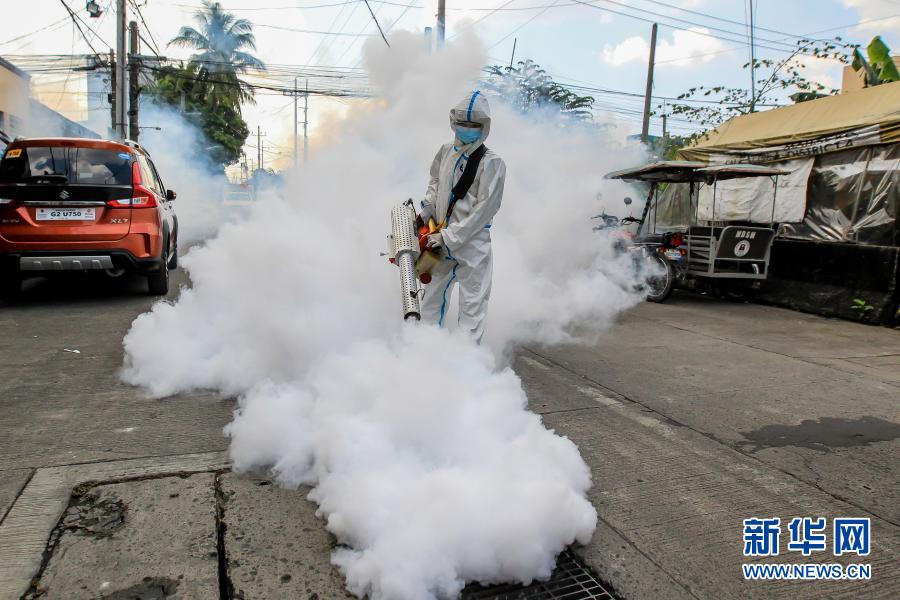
<point>15,95</point>
<point>22,115</point>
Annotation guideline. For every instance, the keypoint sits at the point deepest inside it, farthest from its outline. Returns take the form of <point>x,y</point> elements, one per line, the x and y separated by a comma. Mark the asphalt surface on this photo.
<point>692,415</point>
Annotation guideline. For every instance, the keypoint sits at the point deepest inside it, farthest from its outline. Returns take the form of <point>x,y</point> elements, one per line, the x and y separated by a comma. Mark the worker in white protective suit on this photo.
<point>464,238</point>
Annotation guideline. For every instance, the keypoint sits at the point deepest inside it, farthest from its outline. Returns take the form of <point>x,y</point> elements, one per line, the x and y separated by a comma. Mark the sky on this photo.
<point>598,43</point>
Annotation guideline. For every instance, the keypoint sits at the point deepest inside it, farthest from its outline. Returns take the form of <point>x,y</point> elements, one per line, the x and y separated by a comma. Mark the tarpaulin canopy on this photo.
<point>860,118</point>
<point>682,171</point>
<point>843,153</point>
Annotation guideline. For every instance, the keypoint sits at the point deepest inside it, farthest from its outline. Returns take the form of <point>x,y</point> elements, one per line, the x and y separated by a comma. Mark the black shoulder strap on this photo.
<point>466,179</point>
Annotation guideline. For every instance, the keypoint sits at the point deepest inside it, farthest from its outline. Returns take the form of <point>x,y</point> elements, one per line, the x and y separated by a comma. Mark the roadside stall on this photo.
<point>704,238</point>
<point>836,214</point>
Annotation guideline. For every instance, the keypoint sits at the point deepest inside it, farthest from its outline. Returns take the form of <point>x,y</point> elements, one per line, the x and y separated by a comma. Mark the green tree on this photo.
<point>528,87</point>
<point>208,88</point>
<point>221,122</point>
<point>221,42</point>
<point>777,77</point>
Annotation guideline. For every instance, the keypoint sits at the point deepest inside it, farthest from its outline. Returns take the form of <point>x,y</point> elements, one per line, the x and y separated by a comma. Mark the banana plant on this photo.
<point>879,67</point>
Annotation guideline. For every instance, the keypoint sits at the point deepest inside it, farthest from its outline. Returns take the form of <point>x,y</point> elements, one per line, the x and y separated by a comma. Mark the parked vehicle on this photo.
<point>715,253</point>
<point>72,204</point>
<point>650,260</point>
<point>238,195</point>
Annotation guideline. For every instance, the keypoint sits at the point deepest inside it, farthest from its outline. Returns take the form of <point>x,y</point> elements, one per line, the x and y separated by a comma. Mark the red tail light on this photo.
<point>140,198</point>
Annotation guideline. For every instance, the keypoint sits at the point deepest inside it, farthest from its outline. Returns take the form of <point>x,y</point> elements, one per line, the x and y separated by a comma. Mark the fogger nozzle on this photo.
<point>405,251</point>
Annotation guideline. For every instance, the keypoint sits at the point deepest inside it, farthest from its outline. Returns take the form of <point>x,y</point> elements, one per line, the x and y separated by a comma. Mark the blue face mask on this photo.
<point>468,135</point>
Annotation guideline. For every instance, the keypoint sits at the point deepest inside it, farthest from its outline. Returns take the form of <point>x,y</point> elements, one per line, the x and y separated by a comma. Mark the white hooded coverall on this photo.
<point>466,254</point>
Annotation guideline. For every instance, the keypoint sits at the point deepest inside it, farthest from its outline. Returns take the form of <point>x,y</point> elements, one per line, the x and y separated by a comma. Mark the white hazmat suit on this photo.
<point>466,238</point>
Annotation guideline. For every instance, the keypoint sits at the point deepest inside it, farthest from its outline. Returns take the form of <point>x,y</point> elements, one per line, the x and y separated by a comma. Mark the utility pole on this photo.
<point>296,141</point>
<point>112,94</point>
<point>296,93</point>
<point>305,123</point>
<point>259,146</point>
<point>441,21</point>
<point>752,62</point>
<point>513,57</point>
<point>120,70</point>
<point>646,126</point>
<point>133,72</point>
<point>664,117</point>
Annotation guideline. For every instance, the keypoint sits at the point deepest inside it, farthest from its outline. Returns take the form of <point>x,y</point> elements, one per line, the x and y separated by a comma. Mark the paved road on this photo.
<point>693,415</point>
<point>60,407</point>
<point>696,414</point>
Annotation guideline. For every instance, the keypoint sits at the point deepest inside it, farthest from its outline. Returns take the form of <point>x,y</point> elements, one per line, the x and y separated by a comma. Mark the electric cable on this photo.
<point>377,24</point>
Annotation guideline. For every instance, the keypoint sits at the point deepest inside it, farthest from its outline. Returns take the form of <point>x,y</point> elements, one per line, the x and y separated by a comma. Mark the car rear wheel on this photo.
<point>173,262</point>
<point>158,281</point>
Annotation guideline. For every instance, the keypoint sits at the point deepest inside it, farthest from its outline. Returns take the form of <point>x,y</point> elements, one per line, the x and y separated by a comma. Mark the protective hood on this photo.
<point>473,107</point>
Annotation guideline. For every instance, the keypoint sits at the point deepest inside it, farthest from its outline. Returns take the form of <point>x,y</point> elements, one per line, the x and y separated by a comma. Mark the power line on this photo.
<point>75,19</point>
<point>677,19</point>
<point>328,42</point>
<point>696,30</point>
<point>533,17</point>
<point>393,24</point>
<point>312,31</point>
<point>154,46</point>
<point>377,24</point>
<point>492,11</point>
<point>186,77</point>
<point>44,28</point>
<point>721,19</point>
<point>322,41</point>
<point>301,7</point>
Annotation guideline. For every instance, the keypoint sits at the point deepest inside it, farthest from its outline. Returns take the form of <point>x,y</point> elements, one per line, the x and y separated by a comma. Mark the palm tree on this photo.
<point>221,43</point>
<point>529,86</point>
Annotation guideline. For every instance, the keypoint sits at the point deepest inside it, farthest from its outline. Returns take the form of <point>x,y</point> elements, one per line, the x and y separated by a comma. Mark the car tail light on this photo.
<point>141,198</point>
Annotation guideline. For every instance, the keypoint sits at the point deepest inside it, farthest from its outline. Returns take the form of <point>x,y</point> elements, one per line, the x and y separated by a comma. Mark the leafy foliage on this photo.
<point>668,147</point>
<point>862,308</point>
<point>220,122</point>
<point>527,86</point>
<point>207,88</point>
<point>778,77</point>
<point>880,67</point>
<point>221,41</point>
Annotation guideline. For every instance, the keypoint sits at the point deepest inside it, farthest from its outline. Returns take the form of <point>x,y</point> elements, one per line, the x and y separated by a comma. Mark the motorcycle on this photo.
<point>659,261</point>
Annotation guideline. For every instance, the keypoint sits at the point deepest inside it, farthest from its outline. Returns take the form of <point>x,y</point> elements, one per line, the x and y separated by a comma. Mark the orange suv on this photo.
<point>72,204</point>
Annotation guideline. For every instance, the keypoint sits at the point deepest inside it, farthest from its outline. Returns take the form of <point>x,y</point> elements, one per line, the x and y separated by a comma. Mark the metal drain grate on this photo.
<point>571,580</point>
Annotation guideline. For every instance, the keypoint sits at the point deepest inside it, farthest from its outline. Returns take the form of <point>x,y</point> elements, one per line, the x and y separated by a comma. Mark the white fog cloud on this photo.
<point>684,49</point>
<point>873,15</point>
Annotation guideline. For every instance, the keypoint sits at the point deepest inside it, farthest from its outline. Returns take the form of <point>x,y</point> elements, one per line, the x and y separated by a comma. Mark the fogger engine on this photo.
<point>403,246</point>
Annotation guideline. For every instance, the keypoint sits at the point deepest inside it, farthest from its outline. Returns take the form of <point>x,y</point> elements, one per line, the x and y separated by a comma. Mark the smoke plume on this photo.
<point>423,458</point>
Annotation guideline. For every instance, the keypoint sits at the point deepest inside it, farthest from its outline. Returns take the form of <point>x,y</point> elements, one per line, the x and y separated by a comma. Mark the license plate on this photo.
<point>66,214</point>
<point>673,254</point>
